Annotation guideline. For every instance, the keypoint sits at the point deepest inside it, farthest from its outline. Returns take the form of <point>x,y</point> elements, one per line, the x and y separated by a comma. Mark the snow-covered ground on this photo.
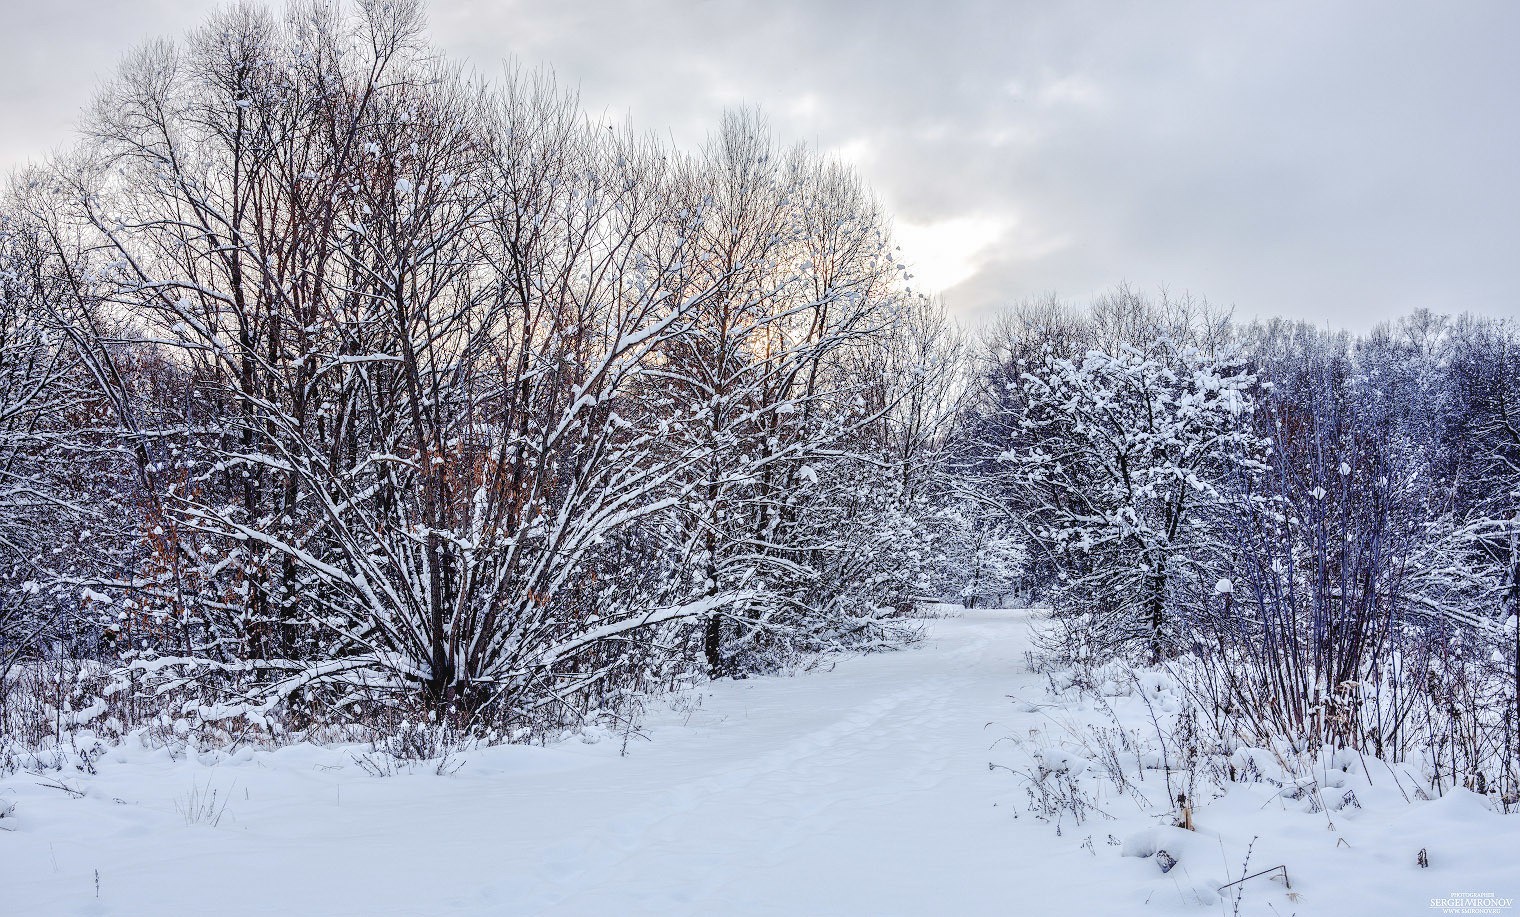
<point>862,788</point>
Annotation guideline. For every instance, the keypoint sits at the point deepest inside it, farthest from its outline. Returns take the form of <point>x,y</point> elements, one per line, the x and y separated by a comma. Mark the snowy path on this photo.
<point>862,790</point>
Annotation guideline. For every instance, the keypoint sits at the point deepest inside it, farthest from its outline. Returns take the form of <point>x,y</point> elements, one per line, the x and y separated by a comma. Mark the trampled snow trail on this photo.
<point>860,790</point>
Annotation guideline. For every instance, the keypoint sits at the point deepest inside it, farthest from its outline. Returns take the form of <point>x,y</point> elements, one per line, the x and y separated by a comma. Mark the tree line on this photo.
<point>1318,532</point>
<point>336,379</point>
<point>340,386</point>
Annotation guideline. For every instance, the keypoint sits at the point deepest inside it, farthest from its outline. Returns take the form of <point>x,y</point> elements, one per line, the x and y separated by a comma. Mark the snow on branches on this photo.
<point>445,391</point>
<point>1117,460</point>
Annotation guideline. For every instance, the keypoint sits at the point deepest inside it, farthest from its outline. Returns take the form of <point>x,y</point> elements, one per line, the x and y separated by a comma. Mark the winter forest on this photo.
<point>354,404</point>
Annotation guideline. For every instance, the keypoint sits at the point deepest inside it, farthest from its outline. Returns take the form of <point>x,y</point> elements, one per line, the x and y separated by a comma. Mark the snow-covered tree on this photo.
<point>63,486</point>
<point>1113,462</point>
<point>791,482</point>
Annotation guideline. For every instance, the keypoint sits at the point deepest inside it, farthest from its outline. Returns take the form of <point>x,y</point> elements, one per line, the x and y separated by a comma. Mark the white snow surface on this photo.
<point>862,787</point>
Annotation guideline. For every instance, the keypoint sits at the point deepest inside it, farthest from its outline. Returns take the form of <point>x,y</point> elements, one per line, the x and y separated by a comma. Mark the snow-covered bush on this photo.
<point>418,390</point>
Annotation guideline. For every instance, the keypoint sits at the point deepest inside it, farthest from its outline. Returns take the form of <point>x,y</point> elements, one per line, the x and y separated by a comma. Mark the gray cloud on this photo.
<point>1338,162</point>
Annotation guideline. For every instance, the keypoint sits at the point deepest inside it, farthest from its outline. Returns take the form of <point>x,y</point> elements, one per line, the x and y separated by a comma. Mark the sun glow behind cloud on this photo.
<point>944,253</point>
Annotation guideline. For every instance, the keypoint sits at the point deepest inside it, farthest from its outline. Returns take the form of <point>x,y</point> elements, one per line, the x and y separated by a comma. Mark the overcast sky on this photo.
<point>1334,161</point>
